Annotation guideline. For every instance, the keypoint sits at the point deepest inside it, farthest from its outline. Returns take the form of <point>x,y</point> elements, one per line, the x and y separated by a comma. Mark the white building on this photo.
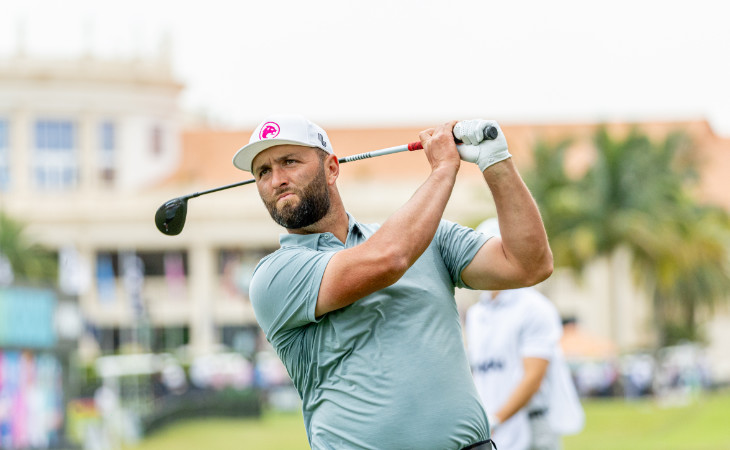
<point>81,143</point>
<point>89,150</point>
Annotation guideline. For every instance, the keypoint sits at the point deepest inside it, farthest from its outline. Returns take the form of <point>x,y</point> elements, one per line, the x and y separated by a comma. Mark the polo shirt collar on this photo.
<point>313,240</point>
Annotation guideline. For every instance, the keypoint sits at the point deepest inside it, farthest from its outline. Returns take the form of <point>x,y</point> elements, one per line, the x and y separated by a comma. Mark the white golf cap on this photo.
<point>490,227</point>
<point>281,129</point>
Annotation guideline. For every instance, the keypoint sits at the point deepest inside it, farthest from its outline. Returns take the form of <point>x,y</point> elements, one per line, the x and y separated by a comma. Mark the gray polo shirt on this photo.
<point>387,372</point>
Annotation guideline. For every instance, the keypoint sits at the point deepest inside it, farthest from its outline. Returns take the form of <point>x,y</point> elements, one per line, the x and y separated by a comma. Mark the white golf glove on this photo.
<point>476,149</point>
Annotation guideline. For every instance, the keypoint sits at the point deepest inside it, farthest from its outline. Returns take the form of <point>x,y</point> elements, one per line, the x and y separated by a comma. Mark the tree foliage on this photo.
<point>30,261</point>
<point>637,194</point>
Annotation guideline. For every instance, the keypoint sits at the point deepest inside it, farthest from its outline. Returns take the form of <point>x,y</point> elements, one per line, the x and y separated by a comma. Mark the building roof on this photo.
<point>207,153</point>
<point>89,70</point>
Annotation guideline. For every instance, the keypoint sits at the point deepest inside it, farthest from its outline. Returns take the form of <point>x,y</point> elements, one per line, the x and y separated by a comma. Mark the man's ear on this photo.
<point>332,168</point>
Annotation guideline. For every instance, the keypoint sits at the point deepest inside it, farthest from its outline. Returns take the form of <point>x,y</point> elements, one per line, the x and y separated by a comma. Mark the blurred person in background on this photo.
<point>363,316</point>
<point>513,341</point>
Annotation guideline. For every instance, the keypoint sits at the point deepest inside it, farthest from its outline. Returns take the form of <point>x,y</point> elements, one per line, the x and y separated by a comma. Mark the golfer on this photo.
<point>363,316</point>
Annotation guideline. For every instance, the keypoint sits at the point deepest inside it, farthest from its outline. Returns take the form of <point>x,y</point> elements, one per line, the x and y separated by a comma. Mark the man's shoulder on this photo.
<point>535,304</point>
<point>283,254</point>
<point>284,267</point>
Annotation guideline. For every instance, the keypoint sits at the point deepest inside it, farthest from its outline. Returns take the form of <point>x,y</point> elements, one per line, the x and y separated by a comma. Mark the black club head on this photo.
<point>170,217</point>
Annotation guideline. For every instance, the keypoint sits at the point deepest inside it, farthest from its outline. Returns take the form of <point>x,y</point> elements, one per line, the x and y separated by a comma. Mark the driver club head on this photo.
<point>170,217</point>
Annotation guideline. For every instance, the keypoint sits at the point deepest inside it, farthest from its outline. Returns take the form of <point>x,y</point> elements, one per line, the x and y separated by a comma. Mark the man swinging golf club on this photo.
<point>363,316</point>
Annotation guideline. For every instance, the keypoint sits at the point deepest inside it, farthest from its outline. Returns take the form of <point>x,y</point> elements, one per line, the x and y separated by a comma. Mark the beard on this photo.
<point>314,202</point>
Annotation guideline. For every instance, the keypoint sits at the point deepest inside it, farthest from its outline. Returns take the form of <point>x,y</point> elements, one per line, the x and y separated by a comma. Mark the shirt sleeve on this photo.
<point>541,331</point>
<point>458,245</point>
<point>284,289</point>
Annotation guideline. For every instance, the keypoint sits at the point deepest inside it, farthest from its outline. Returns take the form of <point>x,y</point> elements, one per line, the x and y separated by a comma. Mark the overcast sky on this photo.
<point>399,62</point>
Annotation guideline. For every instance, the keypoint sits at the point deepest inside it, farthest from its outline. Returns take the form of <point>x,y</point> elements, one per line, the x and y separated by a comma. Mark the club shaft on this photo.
<point>489,133</point>
<point>221,188</point>
<point>386,151</point>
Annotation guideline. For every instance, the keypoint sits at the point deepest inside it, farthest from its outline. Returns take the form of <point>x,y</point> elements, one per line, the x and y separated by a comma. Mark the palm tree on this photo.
<point>693,277</point>
<point>635,196</point>
<point>30,262</point>
<point>563,204</point>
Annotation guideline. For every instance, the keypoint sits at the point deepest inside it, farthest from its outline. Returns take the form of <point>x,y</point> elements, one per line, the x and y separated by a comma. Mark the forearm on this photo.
<point>524,241</point>
<point>517,400</point>
<point>535,369</point>
<point>389,253</point>
<point>386,255</point>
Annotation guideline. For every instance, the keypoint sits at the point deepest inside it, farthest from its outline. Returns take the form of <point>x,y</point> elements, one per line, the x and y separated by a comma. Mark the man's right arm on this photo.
<point>383,259</point>
<point>534,372</point>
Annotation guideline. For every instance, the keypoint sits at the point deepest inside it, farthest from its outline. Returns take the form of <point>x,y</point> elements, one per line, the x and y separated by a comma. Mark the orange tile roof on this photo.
<point>207,154</point>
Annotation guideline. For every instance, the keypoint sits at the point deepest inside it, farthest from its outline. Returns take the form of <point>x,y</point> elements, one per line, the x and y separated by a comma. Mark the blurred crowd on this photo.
<point>671,373</point>
<point>116,410</point>
<point>112,412</point>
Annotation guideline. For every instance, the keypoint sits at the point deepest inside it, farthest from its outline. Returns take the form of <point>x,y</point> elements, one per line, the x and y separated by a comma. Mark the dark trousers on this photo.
<point>482,445</point>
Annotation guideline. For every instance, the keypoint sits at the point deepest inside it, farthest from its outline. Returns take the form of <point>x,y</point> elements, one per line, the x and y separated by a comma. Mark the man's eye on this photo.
<point>289,161</point>
<point>263,172</point>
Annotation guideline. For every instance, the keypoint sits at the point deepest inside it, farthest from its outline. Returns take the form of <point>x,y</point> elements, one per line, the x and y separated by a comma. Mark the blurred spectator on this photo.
<point>637,372</point>
<point>219,371</point>
<point>173,378</point>
<point>270,371</point>
<point>524,382</point>
<point>513,341</point>
<point>592,360</point>
<point>108,435</point>
<point>596,378</point>
<point>683,370</point>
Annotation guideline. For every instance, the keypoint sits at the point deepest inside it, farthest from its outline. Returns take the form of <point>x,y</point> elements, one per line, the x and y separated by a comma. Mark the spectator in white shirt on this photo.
<point>513,346</point>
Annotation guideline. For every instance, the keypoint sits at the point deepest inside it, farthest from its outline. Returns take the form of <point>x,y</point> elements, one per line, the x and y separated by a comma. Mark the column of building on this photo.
<point>20,152</point>
<point>87,153</point>
<point>202,279</point>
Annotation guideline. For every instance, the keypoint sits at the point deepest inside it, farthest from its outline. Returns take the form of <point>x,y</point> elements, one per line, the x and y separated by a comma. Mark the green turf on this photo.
<point>610,424</point>
<point>616,424</point>
<point>274,431</point>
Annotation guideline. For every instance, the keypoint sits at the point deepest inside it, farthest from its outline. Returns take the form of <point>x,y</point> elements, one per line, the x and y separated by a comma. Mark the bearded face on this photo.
<point>314,202</point>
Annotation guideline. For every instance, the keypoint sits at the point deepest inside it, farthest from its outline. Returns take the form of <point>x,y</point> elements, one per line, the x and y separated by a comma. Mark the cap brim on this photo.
<point>245,155</point>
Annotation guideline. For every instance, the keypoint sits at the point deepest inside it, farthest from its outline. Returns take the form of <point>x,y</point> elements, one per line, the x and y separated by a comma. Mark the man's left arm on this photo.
<point>521,256</point>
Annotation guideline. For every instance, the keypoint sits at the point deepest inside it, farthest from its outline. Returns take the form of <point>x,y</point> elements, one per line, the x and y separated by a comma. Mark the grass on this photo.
<point>616,424</point>
<point>610,424</point>
<point>273,431</point>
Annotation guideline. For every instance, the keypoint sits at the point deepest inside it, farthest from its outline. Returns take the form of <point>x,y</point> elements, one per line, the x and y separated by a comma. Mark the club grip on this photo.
<point>490,133</point>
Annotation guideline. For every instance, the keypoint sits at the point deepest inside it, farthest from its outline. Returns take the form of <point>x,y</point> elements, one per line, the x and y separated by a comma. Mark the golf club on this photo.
<point>170,217</point>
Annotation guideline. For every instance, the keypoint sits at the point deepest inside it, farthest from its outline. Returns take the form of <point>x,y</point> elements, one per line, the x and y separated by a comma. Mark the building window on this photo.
<point>107,147</point>
<point>239,338</point>
<point>165,339</point>
<point>155,264</point>
<point>132,268</point>
<point>157,142</point>
<point>111,339</point>
<point>236,266</point>
<point>4,156</point>
<point>55,161</point>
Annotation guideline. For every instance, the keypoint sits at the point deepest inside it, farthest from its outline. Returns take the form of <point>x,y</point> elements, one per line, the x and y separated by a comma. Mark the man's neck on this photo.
<point>335,221</point>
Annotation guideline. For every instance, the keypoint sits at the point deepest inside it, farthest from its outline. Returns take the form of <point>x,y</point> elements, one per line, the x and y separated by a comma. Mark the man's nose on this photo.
<point>278,177</point>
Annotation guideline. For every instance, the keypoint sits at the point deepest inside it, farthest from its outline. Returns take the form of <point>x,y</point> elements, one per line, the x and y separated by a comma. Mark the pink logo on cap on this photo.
<point>269,130</point>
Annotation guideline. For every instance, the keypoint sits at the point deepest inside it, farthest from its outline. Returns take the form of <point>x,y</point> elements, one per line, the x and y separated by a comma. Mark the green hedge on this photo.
<point>198,404</point>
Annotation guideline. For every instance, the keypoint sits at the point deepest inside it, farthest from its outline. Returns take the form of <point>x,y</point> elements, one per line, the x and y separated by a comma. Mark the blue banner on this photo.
<point>26,317</point>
